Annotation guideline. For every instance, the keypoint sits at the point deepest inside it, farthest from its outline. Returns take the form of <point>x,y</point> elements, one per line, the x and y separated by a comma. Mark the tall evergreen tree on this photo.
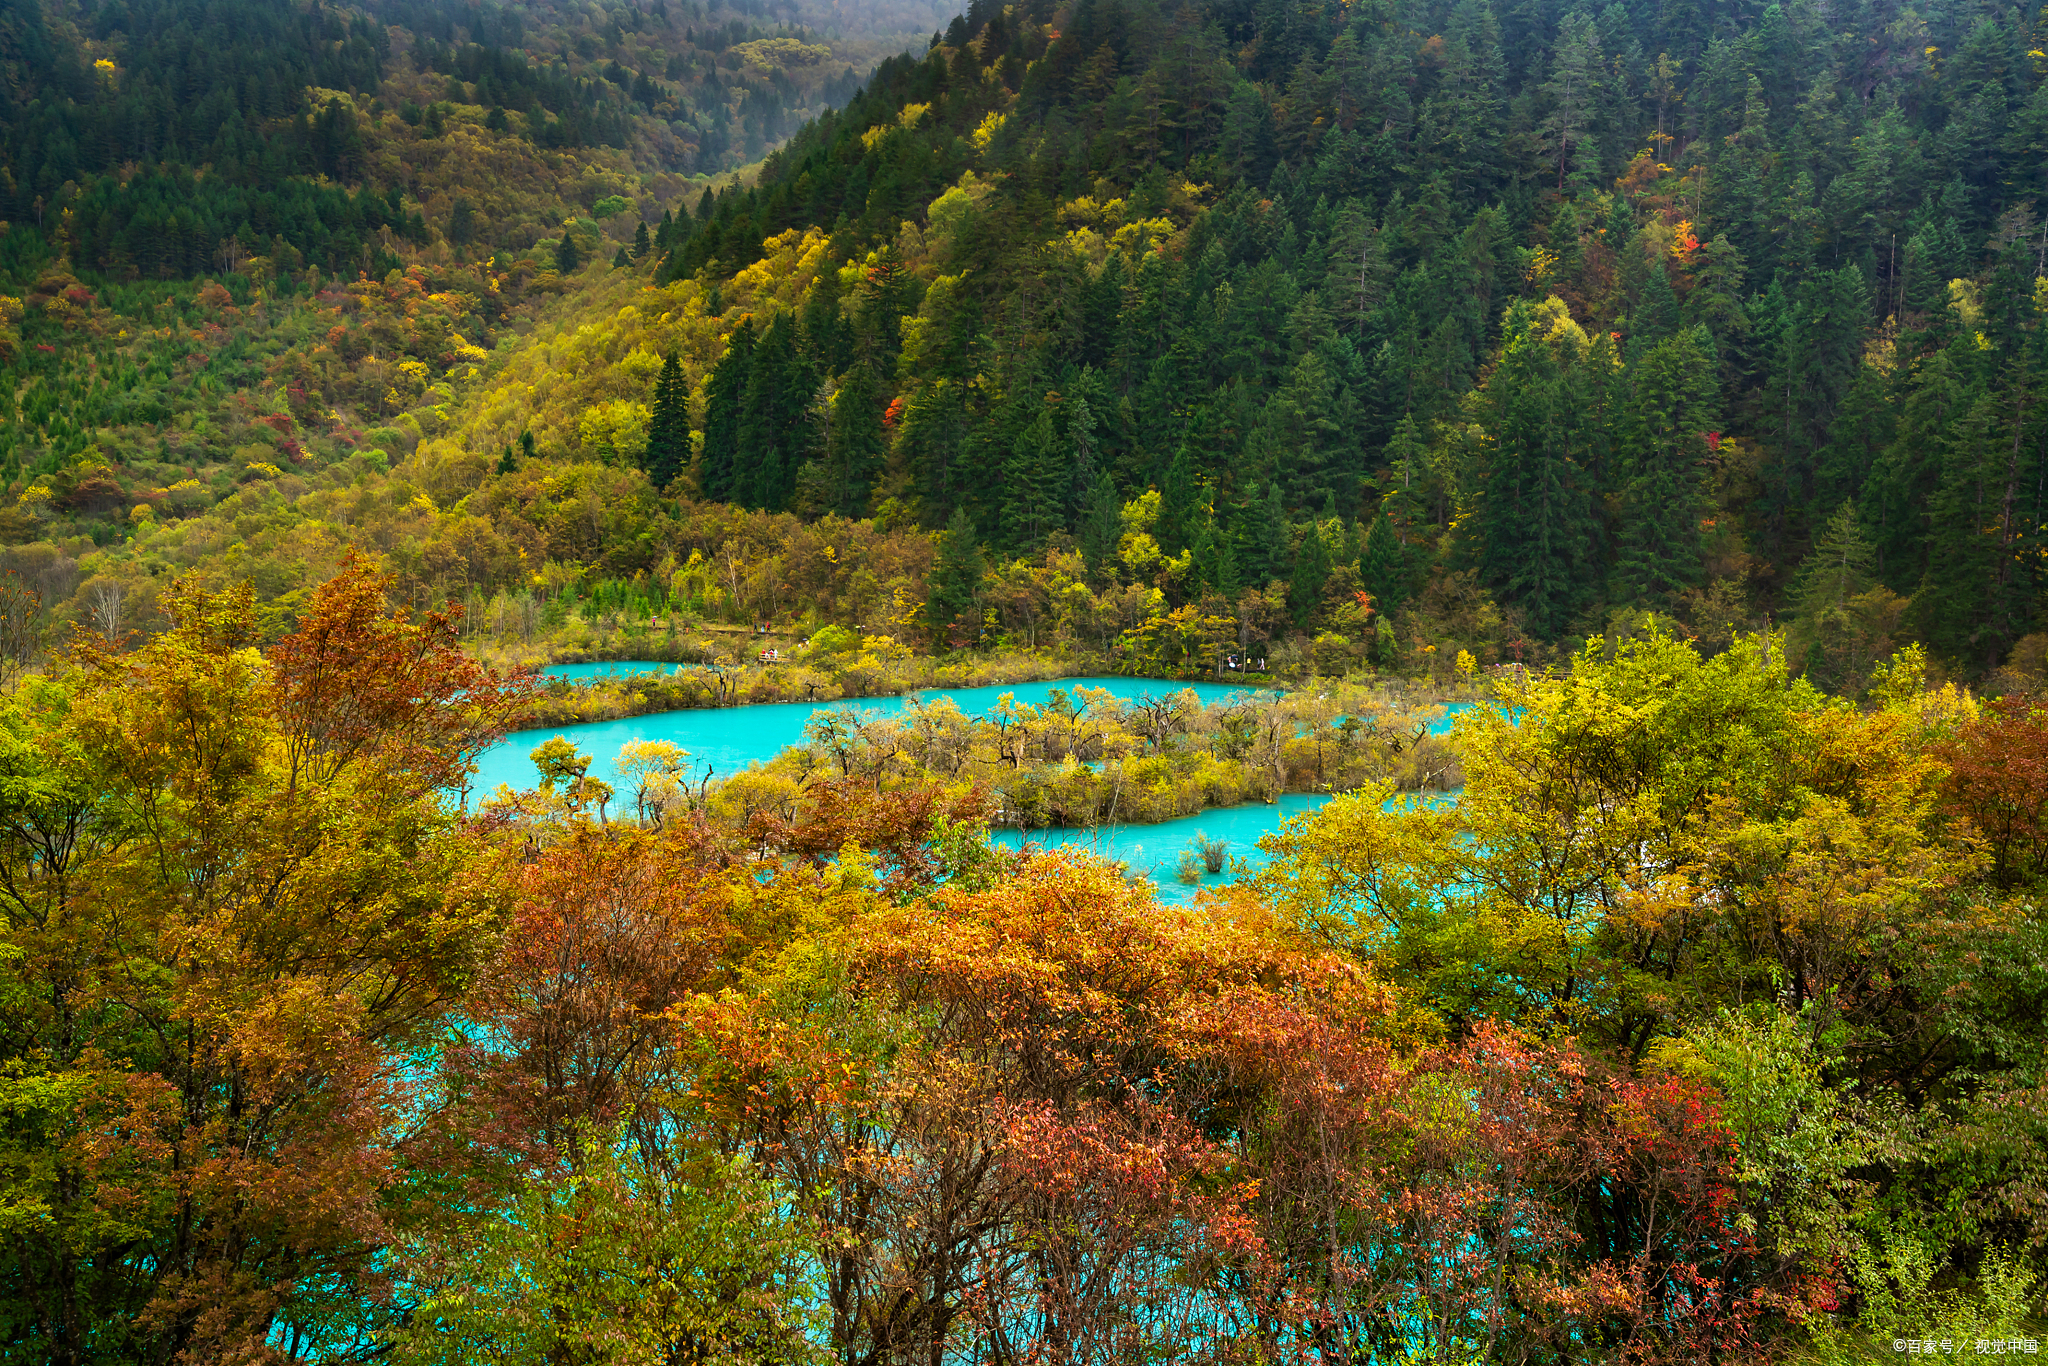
<point>1271,550</point>
<point>1102,527</point>
<point>1180,509</point>
<point>953,588</point>
<point>1531,514</point>
<point>668,429</point>
<point>775,428</point>
<point>1383,565</point>
<point>854,444</point>
<point>725,398</point>
<point>1669,408</point>
<point>1033,486</point>
<point>1310,572</point>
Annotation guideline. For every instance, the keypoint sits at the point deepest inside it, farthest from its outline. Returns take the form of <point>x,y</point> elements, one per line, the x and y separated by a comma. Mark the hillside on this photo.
<point>1510,322</point>
<point>1663,1001</point>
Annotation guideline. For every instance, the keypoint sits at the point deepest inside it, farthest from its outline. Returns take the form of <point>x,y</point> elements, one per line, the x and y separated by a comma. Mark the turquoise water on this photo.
<point>729,738</point>
<point>1154,851</point>
<point>611,668</point>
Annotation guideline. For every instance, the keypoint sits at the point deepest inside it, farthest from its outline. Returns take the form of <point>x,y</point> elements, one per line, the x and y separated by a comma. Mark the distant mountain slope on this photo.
<point>1406,325</point>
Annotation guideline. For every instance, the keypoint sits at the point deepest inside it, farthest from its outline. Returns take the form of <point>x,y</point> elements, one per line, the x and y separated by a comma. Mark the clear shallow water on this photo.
<point>729,738</point>
<point>1154,851</point>
<point>611,668</point>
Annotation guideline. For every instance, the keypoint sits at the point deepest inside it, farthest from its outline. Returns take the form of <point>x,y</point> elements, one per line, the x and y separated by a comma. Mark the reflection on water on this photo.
<point>1154,851</point>
<point>611,668</point>
<point>730,738</point>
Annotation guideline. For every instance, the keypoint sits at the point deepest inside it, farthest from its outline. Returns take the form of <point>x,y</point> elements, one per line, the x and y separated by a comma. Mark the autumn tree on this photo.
<point>236,892</point>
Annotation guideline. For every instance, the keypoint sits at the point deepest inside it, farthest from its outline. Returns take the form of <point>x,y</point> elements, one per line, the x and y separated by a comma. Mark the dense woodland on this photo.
<point>1704,1025</point>
<point>1663,380</point>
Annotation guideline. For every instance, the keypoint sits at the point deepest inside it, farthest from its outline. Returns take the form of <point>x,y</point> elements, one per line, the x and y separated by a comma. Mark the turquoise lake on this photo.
<point>730,738</point>
<point>1153,851</point>
<point>611,668</point>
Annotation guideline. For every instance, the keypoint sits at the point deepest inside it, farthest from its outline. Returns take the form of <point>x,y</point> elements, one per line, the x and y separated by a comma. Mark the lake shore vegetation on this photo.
<point>1705,1023</point>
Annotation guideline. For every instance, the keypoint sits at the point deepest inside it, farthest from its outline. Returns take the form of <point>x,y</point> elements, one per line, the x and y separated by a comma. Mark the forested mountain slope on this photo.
<point>1604,309</point>
<point>1200,321</point>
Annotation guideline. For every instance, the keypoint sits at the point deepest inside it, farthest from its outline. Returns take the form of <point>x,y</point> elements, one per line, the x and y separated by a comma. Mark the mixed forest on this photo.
<point>1663,380</point>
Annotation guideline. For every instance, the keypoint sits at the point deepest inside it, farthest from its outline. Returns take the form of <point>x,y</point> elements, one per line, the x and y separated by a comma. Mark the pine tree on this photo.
<point>506,464</point>
<point>724,401</point>
<point>641,245</point>
<point>621,261</point>
<point>1669,407</point>
<point>1531,516</point>
<point>854,444</point>
<point>1832,633</point>
<point>1033,484</point>
<point>668,430</point>
<point>1102,527</point>
<point>1310,572</point>
<point>566,257</point>
<point>1180,508</point>
<point>775,432</point>
<point>1215,560</point>
<point>1407,459</point>
<point>1573,93</point>
<point>1271,549</point>
<point>952,608</point>
<point>1383,566</point>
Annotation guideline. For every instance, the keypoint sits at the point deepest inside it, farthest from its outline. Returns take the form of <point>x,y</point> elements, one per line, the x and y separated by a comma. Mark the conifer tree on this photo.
<point>775,432</point>
<point>953,589</point>
<point>1033,485</point>
<point>1840,614</point>
<point>1383,565</point>
<point>1310,572</point>
<point>1531,510</point>
<point>1668,409</point>
<point>854,444</point>
<point>641,245</point>
<point>1271,547</point>
<point>1179,505</point>
<point>1101,526</point>
<point>724,400</point>
<point>566,256</point>
<point>668,429</point>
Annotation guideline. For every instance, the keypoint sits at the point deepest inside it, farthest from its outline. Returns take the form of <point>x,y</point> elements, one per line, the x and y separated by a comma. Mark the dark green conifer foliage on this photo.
<point>1033,484</point>
<point>1901,487</point>
<point>641,244</point>
<point>566,255</point>
<point>854,443</point>
<point>1180,508</point>
<point>1102,527</point>
<point>1311,570</point>
<point>1669,409</point>
<point>668,429</point>
<point>1215,559</point>
<point>1272,551</point>
<point>1532,515</point>
<point>1828,599</point>
<point>953,593</point>
<point>1383,566</point>
<point>775,427</point>
<point>724,400</point>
